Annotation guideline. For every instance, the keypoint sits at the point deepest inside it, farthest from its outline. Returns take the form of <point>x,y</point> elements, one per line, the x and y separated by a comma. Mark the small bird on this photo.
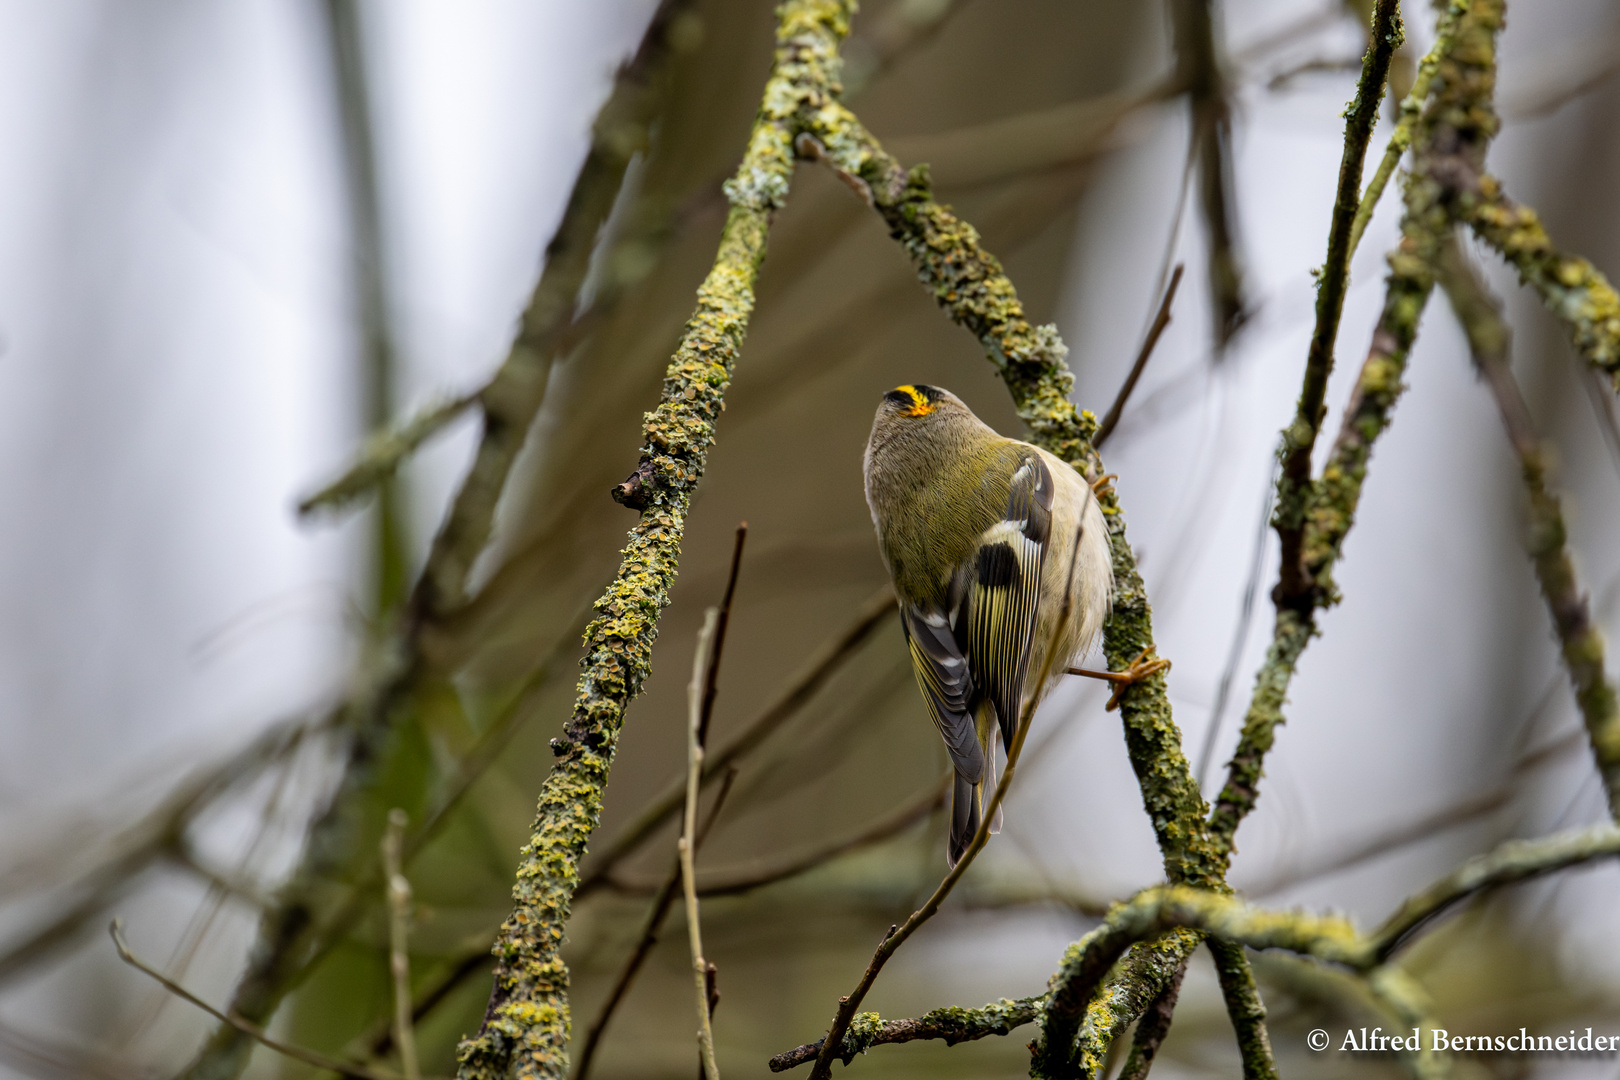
<point>982,535</point>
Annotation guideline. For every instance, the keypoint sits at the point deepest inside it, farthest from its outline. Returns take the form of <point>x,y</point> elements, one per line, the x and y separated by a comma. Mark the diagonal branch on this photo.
<point>525,1027</point>
<point>1199,72</point>
<point>800,689</point>
<point>1508,863</point>
<point>1165,911</point>
<point>1411,111</point>
<point>898,935</point>
<point>968,282</point>
<point>1152,1028</point>
<point>1572,288</point>
<point>1299,438</point>
<point>1580,640</point>
<point>952,1025</point>
<point>238,1023</point>
<point>299,928</point>
<point>1455,131</point>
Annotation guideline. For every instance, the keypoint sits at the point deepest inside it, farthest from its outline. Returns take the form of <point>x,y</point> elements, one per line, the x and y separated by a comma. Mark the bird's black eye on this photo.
<point>899,397</point>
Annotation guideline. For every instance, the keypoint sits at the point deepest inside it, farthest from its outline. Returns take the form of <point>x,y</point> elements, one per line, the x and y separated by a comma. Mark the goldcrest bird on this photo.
<point>982,535</point>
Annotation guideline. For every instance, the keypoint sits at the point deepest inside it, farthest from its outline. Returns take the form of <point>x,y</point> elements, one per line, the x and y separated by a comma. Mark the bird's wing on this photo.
<point>1000,586</point>
<point>947,686</point>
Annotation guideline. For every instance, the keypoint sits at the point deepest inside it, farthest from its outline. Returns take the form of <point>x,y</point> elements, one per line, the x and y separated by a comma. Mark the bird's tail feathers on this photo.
<point>964,817</point>
<point>987,788</point>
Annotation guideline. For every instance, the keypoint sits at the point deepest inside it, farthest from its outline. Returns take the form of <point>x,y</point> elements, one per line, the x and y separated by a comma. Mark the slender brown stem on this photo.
<point>399,955</point>
<point>711,678</point>
<point>652,925</point>
<point>747,878</point>
<point>848,1006</point>
<point>240,1023</point>
<point>800,690</point>
<point>702,667</point>
<point>1110,419</point>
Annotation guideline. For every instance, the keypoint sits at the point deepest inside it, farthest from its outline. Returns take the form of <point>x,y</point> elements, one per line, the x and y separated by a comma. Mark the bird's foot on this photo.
<point>1104,484</point>
<point>1138,669</point>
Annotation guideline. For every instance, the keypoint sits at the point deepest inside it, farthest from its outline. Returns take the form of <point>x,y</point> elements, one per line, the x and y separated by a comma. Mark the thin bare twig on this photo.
<point>399,928</point>
<point>665,895</point>
<point>1240,632</point>
<point>245,1026</point>
<point>746,879</point>
<point>663,900</point>
<point>1110,419</point>
<point>821,666</point>
<point>1200,73</point>
<point>688,840</point>
<point>711,678</point>
<point>850,1005</point>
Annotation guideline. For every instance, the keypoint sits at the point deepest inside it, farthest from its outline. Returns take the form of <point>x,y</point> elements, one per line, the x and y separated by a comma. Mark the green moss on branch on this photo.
<point>1400,140</point>
<point>1572,288</point>
<point>970,284</point>
<point>1299,438</point>
<point>951,1024</point>
<point>1144,976</point>
<point>1454,133</point>
<point>1152,1028</point>
<point>1579,639</point>
<point>1509,863</point>
<point>1243,1005</point>
<point>525,1029</point>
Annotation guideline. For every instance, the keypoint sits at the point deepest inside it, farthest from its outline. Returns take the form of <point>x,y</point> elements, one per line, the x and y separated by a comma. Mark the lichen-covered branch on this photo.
<point>383,453</point>
<point>1509,862</point>
<point>1157,910</point>
<point>1399,995</point>
<point>969,283</point>
<point>525,1028</point>
<point>1156,965</point>
<point>950,1024</point>
<point>1299,437</point>
<point>1152,1028</point>
<point>1243,1005</point>
<point>510,400</point>
<point>1572,288</point>
<point>1454,133</point>
<point>1579,639</point>
<point>1406,126</point>
<point>1329,938</point>
<point>849,1005</point>
<point>1147,976</point>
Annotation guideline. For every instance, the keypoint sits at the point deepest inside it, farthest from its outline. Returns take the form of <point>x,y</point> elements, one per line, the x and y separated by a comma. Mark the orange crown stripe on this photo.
<point>920,406</point>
